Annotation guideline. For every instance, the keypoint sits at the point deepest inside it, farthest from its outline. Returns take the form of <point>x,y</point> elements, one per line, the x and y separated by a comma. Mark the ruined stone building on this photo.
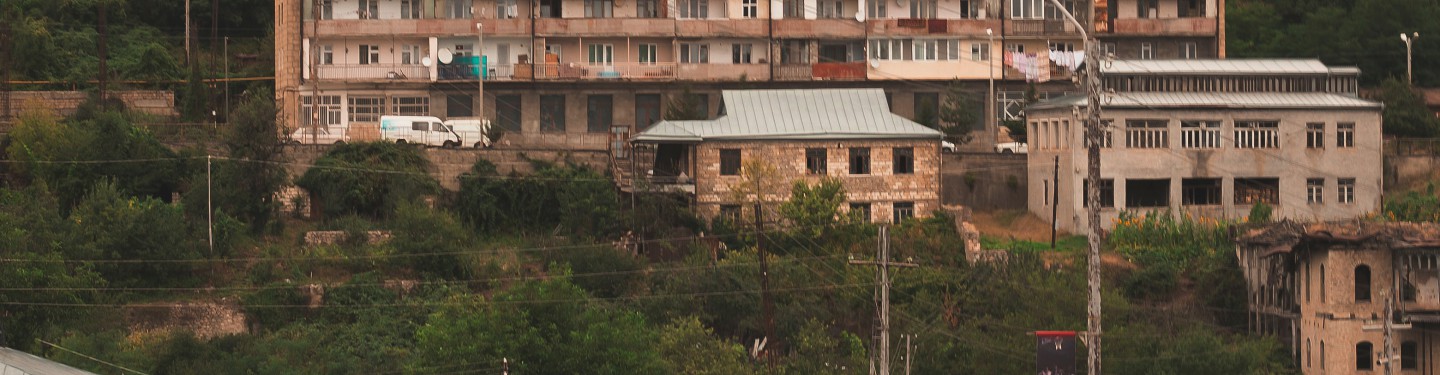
<point>1212,138</point>
<point>1330,291</point>
<point>890,166</point>
<point>565,74</point>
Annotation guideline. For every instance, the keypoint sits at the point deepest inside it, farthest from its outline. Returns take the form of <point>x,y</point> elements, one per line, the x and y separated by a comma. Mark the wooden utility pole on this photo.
<point>100,26</point>
<point>767,305</point>
<point>1055,202</point>
<point>882,264</point>
<point>187,33</point>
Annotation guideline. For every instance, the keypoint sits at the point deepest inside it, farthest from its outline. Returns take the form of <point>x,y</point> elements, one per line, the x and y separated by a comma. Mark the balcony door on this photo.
<point>601,54</point>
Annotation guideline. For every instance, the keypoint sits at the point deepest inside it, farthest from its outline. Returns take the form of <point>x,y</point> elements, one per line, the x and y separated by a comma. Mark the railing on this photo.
<point>723,72</point>
<point>1200,138</point>
<point>375,71</point>
<point>605,26</point>
<point>629,71</point>
<point>793,72</point>
<point>824,28</point>
<point>1041,27</point>
<point>1147,138</point>
<point>466,72</point>
<point>720,27</point>
<point>1165,26</point>
<point>1257,138</point>
<point>837,70</point>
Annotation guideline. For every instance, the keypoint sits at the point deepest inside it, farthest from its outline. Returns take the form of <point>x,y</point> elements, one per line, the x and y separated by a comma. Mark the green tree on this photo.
<point>61,153</point>
<point>368,178</point>
<point>33,233</point>
<point>1405,113</point>
<point>957,114</point>
<point>686,106</point>
<point>820,351</point>
<point>691,348</point>
<point>114,226</point>
<point>247,180</point>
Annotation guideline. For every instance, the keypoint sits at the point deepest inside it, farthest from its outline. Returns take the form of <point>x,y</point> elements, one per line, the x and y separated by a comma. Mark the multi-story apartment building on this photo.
<point>567,73</point>
<point>1212,138</point>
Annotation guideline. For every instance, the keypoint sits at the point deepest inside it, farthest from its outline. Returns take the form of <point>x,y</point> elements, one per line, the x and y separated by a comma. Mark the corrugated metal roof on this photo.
<point>1226,66</point>
<point>1249,100</point>
<point>795,114</point>
<point>15,362</point>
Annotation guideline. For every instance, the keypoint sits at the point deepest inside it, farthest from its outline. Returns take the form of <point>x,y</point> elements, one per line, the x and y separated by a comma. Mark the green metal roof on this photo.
<point>1243,100</point>
<point>795,115</point>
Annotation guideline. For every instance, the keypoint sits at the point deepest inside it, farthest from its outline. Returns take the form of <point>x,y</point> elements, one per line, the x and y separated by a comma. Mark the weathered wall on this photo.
<point>983,181</point>
<point>64,103</point>
<point>449,164</point>
<point>1403,172</point>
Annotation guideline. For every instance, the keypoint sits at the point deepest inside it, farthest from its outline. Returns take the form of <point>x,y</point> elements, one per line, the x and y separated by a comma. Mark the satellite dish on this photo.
<point>875,63</point>
<point>426,61</point>
<point>446,56</point>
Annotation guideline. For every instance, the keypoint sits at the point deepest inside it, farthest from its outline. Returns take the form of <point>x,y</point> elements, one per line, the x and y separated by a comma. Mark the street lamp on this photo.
<point>1410,79</point>
<point>990,98</point>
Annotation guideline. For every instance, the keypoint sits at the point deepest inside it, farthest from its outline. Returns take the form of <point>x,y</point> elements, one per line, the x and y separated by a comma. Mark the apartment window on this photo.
<point>1200,191</point>
<point>1107,193</point>
<point>1107,49</point>
<point>830,9</point>
<point>1027,9</point>
<point>647,110</point>
<point>729,162</point>
<point>599,113</point>
<point>327,55</point>
<point>889,49</point>
<point>1199,134</point>
<point>875,8</point>
<point>367,9</point>
<point>750,8</point>
<point>968,9</point>
<point>902,211</point>
<point>1147,9</point>
<point>1315,135</point>
<point>647,53</point>
<point>506,9</point>
<point>328,107</point>
<point>507,112</point>
<point>599,8</point>
<point>327,9</point>
<point>694,8</point>
<point>410,105</point>
<point>860,160</point>
<point>458,9</point>
<point>410,9</point>
<point>1189,51</point>
<point>1147,51</point>
<point>925,50</point>
<point>366,109</point>
<point>1314,190</point>
<point>1147,134</point>
<point>904,160</point>
<point>794,52</point>
<point>1147,193</point>
<point>1409,355</point>
<point>1322,345</point>
<point>647,9</point>
<point>1053,13</point>
<point>552,113</point>
<point>862,210</point>
<point>923,8</point>
<point>1347,190</point>
<point>729,213</point>
<point>369,54</point>
<point>816,160</point>
<point>740,53</point>
<point>694,53</point>
<point>410,55</point>
<point>1362,283</point>
<point>1257,190</point>
<point>1257,134</point>
<point>1345,135</point>
<point>1363,354</point>
<point>1322,300</point>
<point>600,54</point>
<point>980,51</point>
<point>1307,353</point>
<point>1061,46</point>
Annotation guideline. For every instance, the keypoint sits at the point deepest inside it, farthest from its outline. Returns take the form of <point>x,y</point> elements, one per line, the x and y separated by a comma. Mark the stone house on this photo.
<point>1342,296</point>
<point>889,165</point>
<point>1212,138</point>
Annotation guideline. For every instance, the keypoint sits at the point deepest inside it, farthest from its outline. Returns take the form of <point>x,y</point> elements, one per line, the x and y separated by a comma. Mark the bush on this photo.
<point>369,179</point>
<point>435,240</point>
<point>570,196</point>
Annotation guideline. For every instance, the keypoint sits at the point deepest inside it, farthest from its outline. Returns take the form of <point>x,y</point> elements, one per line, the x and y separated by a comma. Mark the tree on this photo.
<point>368,178</point>
<point>759,185</point>
<point>686,106</point>
<point>1405,113</point>
<point>690,348</point>
<point>246,182</point>
<point>814,211</point>
<point>957,114</point>
<point>45,146</point>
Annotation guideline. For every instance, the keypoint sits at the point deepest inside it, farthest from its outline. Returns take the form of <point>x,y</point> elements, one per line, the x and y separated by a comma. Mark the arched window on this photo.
<point>1322,354</point>
<point>1322,288</point>
<point>1363,355</point>
<point>1362,283</point>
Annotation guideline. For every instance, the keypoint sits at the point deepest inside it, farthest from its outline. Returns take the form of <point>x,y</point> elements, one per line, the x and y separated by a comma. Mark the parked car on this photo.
<point>947,147</point>
<point>320,136</point>
<point>1011,148</point>
<point>424,130</point>
<point>472,132</point>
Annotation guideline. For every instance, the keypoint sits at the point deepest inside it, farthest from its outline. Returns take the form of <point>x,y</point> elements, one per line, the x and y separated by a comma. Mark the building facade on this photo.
<point>889,166</point>
<point>1327,290</point>
<point>566,73</point>
<point>1212,138</point>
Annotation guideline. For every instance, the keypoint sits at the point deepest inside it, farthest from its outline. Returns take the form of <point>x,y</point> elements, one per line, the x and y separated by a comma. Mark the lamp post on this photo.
<point>227,80</point>
<point>990,97</point>
<point>482,69</point>
<point>1408,39</point>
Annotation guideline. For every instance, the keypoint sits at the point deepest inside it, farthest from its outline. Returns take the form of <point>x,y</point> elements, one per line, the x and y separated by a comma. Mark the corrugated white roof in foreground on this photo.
<point>795,115</point>
<point>1246,100</point>
<point>15,362</point>
<point>1226,66</point>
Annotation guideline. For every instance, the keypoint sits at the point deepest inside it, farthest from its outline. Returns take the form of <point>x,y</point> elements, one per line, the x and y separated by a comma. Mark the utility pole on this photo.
<point>1055,202</point>
<point>1389,331</point>
<point>767,305</point>
<point>990,114</point>
<point>908,352</point>
<point>226,51</point>
<point>101,29</point>
<point>1092,193</point>
<point>209,210</point>
<point>482,69</point>
<point>882,264</point>
<point>187,33</point>
<point>1409,78</point>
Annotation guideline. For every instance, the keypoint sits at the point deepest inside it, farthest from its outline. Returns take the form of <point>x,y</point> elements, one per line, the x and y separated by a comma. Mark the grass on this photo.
<point>1062,244</point>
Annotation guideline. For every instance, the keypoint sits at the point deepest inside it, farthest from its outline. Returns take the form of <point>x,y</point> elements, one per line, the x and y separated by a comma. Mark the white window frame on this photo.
<point>604,52</point>
<point>410,55</point>
<point>506,9</point>
<point>924,9</point>
<point>979,51</point>
<point>327,55</point>
<point>742,53</point>
<point>830,9</point>
<point>1315,193</point>
<point>1346,190</point>
<point>698,9</point>
<point>1147,51</point>
<point>410,9</point>
<point>647,53</point>
<point>925,50</point>
<point>369,54</point>
<point>1061,46</point>
<point>695,53</point>
<point>367,9</point>
<point>750,8</point>
<point>875,9</point>
<point>1189,51</point>
<point>1345,135</point>
<point>1027,9</point>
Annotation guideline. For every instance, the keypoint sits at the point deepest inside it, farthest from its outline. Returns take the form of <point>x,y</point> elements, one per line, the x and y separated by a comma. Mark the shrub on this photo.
<point>368,179</point>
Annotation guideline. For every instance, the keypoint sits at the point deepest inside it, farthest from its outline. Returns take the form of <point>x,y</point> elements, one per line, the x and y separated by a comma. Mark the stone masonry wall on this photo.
<point>64,103</point>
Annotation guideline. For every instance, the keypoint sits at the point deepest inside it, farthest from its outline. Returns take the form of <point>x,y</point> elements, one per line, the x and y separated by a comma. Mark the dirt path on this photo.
<point>1018,224</point>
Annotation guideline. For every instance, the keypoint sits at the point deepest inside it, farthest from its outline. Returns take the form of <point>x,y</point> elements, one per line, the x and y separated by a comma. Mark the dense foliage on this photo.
<point>370,179</point>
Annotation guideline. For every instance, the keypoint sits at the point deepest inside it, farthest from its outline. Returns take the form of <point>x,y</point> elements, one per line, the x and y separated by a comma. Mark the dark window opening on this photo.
<point>902,211</point>
<point>729,213</point>
<point>1107,193</point>
<point>1257,190</point>
<point>860,160</point>
<point>599,113</point>
<point>459,106</point>
<point>1409,355</point>
<point>1362,283</point>
<point>1200,191</point>
<point>507,112</point>
<point>1363,354</point>
<point>647,110</point>
<point>552,113</point>
<point>729,162</point>
<point>1147,193</point>
<point>816,161</point>
<point>904,162</point>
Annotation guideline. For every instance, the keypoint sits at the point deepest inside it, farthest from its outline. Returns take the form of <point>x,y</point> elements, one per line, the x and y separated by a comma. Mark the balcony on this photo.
<point>923,27</point>
<point>1040,28</point>
<point>839,71</point>
<point>819,29</point>
<point>374,72</point>
<point>577,71</point>
<point>603,27</point>
<point>466,72</point>
<point>793,72</point>
<point>1195,26</point>
<point>721,28</point>
<point>724,72</point>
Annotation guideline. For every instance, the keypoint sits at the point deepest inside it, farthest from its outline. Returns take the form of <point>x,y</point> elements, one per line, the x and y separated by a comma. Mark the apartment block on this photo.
<point>1212,138</point>
<point>569,74</point>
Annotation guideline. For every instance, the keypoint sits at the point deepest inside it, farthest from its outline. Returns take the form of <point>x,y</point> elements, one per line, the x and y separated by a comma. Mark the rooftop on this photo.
<point>1227,66</point>
<point>794,115</point>
<point>15,362</point>
<point>1284,237</point>
<point>1238,100</point>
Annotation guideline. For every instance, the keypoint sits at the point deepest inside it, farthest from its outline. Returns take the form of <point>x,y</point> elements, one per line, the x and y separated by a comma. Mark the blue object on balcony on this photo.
<point>608,74</point>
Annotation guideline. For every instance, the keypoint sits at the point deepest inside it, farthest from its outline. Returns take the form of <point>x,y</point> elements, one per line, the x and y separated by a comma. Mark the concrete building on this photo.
<point>890,166</point>
<point>1329,290</point>
<point>565,74</point>
<point>1212,138</point>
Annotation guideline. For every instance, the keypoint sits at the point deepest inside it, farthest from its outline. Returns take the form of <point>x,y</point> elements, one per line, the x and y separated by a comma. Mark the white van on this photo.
<point>471,132</point>
<point>425,130</point>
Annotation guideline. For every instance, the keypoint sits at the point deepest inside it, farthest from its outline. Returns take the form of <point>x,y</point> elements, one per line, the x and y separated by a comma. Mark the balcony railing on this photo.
<point>793,72</point>
<point>625,71</point>
<point>723,72</point>
<point>825,28</point>
<point>466,72</point>
<point>374,72</point>
<point>722,27</point>
<point>1257,138</point>
<point>1040,28</point>
<point>1165,26</point>
<point>1200,138</point>
<point>588,27</point>
<point>908,27</point>
<point>838,70</point>
<point>1147,138</point>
